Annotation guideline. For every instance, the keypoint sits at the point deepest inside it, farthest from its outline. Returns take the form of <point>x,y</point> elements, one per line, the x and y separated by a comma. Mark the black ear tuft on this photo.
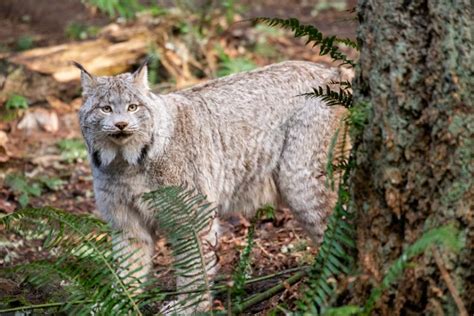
<point>75,63</point>
<point>87,80</point>
<point>140,76</point>
<point>143,64</point>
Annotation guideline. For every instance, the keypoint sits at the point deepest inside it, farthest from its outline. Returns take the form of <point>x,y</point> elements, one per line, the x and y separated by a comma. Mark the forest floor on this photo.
<point>43,161</point>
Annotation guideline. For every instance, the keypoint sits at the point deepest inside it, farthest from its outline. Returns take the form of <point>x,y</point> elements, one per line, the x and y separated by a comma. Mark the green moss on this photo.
<point>459,124</point>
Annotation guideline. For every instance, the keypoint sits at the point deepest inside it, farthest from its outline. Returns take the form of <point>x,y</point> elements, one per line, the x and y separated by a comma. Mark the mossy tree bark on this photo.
<point>415,157</point>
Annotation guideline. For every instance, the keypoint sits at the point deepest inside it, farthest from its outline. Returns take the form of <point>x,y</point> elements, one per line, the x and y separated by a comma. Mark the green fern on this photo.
<point>240,275</point>
<point>337,160</point>
<point>184,216</point>
<point>342,97</point>
<point>89,259</point>
<point>315,37</point>
<point>83,256</point>
<point>241,271</point>
<point>333,260</point>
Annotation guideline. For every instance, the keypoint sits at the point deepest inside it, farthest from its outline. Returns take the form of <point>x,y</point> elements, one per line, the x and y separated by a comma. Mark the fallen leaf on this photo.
<point>7,207</point>
<point>39,119</point>
<point>58,104</point>
<point>4,153</point>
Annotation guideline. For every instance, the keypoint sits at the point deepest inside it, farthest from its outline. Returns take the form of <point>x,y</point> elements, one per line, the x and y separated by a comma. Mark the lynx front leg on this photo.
<point>194,279</point>
<point>134,250</point>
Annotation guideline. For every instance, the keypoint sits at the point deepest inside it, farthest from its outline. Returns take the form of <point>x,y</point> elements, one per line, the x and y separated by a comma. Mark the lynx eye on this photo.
<point>132,107</point>
<point>106,109</point>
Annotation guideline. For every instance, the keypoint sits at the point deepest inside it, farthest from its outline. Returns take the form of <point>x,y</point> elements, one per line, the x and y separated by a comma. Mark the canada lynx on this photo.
<point>242,141</point>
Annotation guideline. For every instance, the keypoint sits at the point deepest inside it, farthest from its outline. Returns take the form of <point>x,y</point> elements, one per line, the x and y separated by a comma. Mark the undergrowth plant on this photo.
<point>84,260</point>
<point>24,188</point>
<point>72,150</point>
<point>81,258</point>
<point>16,102</point>
<point>241,272</point>
<point>114,8</point>
<point>89,262</point>
<point>228,65</point>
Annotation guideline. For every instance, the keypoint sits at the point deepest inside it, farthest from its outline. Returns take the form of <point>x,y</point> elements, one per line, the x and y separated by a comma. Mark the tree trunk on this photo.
<point>415,157</point>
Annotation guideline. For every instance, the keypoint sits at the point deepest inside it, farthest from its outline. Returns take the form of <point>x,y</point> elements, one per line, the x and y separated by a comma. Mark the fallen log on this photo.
<point>101,56</point>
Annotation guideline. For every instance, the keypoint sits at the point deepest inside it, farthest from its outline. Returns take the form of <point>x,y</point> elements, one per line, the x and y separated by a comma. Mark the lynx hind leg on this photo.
<point>301,171</point>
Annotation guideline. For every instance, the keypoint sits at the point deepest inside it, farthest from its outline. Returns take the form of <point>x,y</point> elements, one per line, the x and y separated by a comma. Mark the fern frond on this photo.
<point>240,275</point>
<point>333,260</point>
<point>84,258</point>
<point>446,236</point>
<point>314,37</point>
<point>331,97</point>
<point>184,217</point>
<point>338,154</point>
<point>345,84</point>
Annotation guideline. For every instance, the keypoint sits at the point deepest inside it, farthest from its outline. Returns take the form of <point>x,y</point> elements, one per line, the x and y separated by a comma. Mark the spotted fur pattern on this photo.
<point>242,140</point>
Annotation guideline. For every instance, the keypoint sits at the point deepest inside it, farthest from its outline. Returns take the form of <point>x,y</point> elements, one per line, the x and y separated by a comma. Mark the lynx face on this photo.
<point>116,117</point>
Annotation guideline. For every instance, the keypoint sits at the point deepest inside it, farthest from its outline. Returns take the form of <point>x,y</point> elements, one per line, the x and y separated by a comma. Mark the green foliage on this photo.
<point>156,10</point>
<point>22,188</point>
<point>24,43</point>
<point>338,5</point>
<point>72,150</point>
<point>87,257</point>
<point>358,117</point>
<point>242,270</point>
<point>228,66</point>
<point>231,8</point>
<point>79,31</point>
<point>334,259</point>
<point>113,8</point>
<point>153,63</point>
<point>331,97</point>
<point>328,45</point>
<point>346,310</point>
<point>50,183</point>
<point>83,260</point>
<point>16,102</point>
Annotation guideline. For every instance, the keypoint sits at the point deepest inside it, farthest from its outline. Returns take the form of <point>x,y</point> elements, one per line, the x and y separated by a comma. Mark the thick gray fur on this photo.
<point>243,141</point>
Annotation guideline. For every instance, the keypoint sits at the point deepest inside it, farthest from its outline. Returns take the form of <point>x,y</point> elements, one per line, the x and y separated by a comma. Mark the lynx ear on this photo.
<point>87,80</point>
<point>140,76</point>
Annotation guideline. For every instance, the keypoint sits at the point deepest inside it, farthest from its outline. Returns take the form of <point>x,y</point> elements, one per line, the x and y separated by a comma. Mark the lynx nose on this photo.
<point>121,125</point>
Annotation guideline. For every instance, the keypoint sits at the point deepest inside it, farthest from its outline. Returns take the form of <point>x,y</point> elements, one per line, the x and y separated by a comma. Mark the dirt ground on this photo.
<point>46,163</point>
